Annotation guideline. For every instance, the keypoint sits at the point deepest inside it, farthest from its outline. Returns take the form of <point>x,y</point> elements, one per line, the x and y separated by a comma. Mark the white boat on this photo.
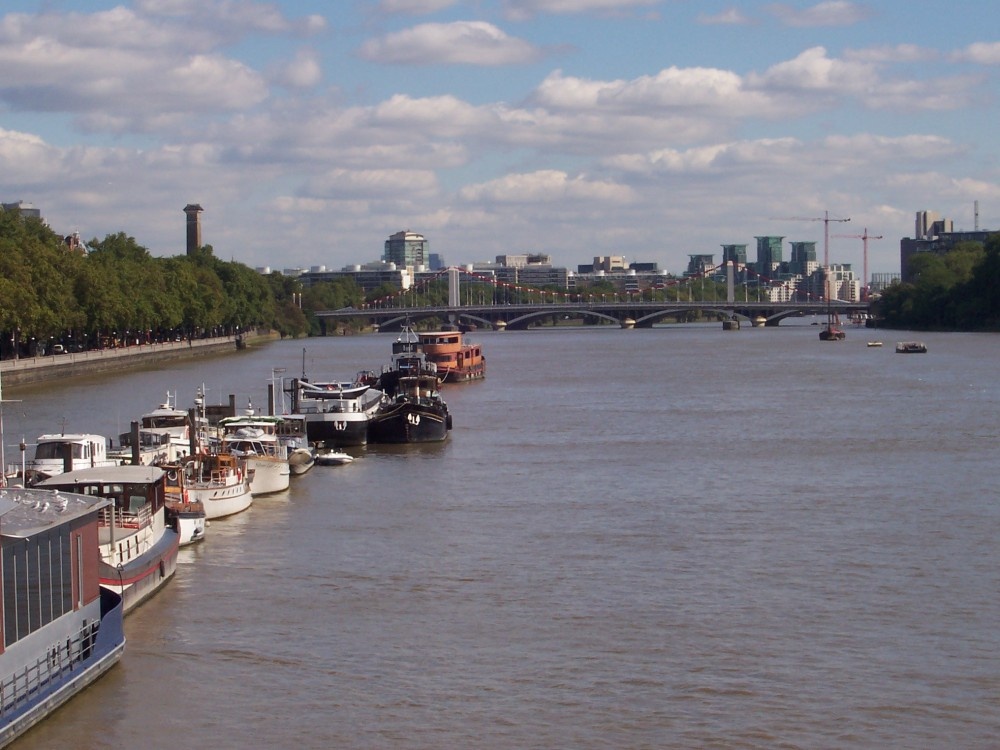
<point>220,482</point>
<point>174,423</point>
<point>291,431</point>
<point>55,454</point>
<point>186,515</point>
<point>911,347</point>
<point>67,630</point>
<point>331,457</point>
<point>874,343</point>
<point>336,413</point>
<point>255,439</point>
<point>139,447</point>
<point>138,550</point>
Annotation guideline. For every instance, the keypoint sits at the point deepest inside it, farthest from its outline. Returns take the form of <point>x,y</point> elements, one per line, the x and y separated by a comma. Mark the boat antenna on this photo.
<point>303,363</point>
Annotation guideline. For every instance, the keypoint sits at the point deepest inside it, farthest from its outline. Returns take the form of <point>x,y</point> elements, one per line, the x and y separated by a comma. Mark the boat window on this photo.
<point>37,582</point>
<point>135,503</point>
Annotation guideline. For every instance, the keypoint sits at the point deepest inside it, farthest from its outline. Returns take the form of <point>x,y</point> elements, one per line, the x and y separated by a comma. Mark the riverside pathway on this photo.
<point>27,370</point>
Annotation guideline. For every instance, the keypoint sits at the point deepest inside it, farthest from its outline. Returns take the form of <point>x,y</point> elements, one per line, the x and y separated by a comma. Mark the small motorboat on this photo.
<point>874,343</point>
<point>333,458</point>
<point>911,347</point>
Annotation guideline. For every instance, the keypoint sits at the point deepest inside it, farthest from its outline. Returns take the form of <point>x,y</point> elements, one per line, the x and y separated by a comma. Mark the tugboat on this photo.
<point>412,410</point>
<point>456,360</point>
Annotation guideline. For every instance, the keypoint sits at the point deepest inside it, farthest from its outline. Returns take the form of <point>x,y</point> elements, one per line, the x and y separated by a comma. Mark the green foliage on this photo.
<point>49,292</point>
<point>959,290</point>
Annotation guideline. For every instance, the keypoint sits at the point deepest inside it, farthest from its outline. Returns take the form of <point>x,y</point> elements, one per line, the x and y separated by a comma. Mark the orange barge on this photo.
<point>456,361</point>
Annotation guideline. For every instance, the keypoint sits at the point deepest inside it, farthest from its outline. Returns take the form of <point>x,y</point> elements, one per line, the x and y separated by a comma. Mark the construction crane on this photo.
<point>864,237</point>
<point>825,218</point>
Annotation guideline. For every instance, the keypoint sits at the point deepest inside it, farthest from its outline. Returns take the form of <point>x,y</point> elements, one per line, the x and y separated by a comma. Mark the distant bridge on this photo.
<point>510,306</point>
<point>626,314</point>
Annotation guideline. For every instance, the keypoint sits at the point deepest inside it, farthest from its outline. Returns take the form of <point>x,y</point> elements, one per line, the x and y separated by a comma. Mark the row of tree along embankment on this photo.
<point>28,370</point>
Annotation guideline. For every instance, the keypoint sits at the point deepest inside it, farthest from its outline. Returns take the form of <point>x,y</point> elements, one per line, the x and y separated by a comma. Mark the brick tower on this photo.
<point>193,227</point>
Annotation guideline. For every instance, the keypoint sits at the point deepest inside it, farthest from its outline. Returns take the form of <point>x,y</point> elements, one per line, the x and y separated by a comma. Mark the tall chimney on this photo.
<point>193,227</point>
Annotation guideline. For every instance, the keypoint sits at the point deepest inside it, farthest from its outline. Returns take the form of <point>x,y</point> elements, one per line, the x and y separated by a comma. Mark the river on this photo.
<point>670,538</point>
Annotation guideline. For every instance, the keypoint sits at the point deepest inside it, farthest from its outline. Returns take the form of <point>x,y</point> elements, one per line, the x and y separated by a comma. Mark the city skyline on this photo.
<point>649,129</point>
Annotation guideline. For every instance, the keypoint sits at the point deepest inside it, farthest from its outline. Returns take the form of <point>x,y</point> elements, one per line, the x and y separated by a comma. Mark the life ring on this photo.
<point>172,475</point>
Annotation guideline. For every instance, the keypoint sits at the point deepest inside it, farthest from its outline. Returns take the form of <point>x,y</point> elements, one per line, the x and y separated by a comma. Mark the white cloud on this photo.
<point>813,71</point>
<point>728,17</point>
<point>900,53</point>
<point>368,184</point>
<point>545,186</point>
<point>305,71</point>
<point>983,53</point>
<point>414,7</point>
<point>696,91</point>
<point>525,9</point>
<point>458,43</point>
<point>229,17</point>
<point>828,13</point>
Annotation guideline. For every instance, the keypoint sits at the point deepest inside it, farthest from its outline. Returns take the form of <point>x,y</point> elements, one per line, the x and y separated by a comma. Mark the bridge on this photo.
<point>520,316</point>
<point>515,307</point>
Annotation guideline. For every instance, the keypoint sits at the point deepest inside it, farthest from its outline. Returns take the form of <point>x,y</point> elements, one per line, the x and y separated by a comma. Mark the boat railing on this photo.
<point>126,519</point>
<point>24,685</point>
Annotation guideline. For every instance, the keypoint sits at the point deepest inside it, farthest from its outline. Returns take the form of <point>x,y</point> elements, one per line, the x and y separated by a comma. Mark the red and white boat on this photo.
<point>138,549</point>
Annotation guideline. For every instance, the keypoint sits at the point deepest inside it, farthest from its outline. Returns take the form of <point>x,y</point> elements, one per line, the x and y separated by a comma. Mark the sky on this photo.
<point>310,131</point>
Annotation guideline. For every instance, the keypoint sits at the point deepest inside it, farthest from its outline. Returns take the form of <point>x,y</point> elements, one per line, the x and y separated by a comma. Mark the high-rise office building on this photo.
<point>407,248</point>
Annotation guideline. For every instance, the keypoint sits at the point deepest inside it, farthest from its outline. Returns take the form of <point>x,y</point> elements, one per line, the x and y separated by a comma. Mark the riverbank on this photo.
<point>28,370</point>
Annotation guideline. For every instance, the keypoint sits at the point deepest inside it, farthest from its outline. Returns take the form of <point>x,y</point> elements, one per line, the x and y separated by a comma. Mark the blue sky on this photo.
<point>310,131</point>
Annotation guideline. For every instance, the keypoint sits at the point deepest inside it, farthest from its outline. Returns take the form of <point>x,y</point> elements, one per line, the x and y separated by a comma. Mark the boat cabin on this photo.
<point>136,494</point>
<point>49,543</point>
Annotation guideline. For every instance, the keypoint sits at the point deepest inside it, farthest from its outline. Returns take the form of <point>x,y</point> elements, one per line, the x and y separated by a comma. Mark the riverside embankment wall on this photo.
<point>29,370</point>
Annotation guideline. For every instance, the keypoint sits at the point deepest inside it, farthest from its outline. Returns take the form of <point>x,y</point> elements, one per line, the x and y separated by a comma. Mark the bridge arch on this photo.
<point>521,322</point>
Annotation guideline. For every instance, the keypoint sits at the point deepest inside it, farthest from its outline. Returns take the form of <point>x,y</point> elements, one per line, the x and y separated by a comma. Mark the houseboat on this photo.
<point>456,360</point>
<point>61,629</point>
<point>336,413</point>
<point>138,550</point>
<point>412,410</point>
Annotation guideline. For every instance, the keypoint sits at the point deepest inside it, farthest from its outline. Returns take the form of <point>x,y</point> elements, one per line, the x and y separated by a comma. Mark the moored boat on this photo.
<point>412,410</point>
<point>55,454</point>
<point>255,440</point>
<point>173,423</point>
<point>138,550</point>
<point>336,413</point>
<point>832,331</point>
<point>67,630</point>
<point>456,360</point>
<point>141,447</point>
<point>186,515</point>
<point>291,431</point>
<point>220,482</point>
<point>330,457</point>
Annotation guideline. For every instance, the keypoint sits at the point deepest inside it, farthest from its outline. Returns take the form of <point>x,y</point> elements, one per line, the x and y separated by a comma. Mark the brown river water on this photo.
<point>670,538</point>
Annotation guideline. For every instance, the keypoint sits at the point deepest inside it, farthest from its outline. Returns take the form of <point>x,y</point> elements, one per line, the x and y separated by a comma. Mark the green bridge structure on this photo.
<point>509,311</point>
